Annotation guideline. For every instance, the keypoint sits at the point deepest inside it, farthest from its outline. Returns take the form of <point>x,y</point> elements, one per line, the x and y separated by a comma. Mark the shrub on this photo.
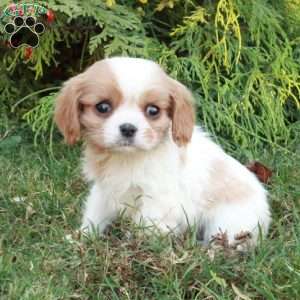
<point>240,58</point>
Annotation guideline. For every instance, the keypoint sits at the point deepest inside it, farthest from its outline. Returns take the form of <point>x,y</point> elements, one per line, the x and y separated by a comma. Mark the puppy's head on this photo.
<point>124,104</point>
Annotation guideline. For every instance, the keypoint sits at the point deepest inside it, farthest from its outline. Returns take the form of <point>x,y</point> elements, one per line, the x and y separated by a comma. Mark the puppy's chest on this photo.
<point>131,200</point>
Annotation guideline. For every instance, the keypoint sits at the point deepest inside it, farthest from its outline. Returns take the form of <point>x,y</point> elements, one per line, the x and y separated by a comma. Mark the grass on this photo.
<point>38,262</point>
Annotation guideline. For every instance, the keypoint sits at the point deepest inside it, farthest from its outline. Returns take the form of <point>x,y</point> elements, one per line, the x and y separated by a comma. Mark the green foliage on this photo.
<point>240,58</point>
<point>247,70</point>
<point>40,206</point>
<point>40,118</point>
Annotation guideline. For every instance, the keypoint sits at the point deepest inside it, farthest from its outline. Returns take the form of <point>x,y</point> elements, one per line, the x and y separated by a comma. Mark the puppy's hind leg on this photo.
<point>98,213</point>
<point>238,221</point>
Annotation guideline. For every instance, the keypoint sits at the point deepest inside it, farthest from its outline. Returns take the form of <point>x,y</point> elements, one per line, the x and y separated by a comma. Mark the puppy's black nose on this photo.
<point>128,130</point>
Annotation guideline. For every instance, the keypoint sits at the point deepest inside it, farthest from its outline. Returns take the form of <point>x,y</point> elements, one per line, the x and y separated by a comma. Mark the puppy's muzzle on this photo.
<point>128,130</point>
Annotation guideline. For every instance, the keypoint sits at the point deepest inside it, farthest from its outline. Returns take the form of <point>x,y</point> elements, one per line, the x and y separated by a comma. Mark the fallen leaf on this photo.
<point>261,171</point>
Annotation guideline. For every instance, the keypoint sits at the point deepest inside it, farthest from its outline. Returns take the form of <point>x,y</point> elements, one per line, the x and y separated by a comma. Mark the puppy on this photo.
<point>144,156</point>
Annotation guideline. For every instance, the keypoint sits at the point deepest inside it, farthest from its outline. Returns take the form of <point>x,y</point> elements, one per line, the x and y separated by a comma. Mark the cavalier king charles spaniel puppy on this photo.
<point>145,156</point>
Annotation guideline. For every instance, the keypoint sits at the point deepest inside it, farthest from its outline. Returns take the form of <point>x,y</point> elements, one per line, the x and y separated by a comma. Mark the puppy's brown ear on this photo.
<point>182,113</point>
<point>67,110</point>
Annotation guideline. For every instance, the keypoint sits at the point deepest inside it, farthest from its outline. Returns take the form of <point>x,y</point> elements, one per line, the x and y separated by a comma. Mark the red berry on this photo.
<point>261,171</point>
<point>50,16</point>
<point>28,52</point>
<point>21,13</point>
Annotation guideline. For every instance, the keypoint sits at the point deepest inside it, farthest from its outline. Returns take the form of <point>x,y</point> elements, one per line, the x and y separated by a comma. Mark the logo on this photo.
<point>21,24</point>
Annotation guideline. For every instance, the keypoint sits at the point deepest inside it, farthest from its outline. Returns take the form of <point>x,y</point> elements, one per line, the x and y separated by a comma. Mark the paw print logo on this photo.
<point>24,31</point>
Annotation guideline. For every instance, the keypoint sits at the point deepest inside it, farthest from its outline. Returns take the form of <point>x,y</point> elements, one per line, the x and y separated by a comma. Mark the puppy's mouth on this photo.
<point>127,144</point>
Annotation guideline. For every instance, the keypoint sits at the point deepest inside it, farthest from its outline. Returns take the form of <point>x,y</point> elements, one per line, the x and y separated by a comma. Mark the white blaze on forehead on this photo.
<point>134,75</point>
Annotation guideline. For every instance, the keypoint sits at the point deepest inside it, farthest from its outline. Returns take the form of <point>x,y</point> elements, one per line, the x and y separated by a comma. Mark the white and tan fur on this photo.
<point>170,174</point>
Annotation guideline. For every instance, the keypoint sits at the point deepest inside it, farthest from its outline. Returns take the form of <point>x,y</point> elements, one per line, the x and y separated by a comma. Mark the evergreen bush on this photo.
<point>240,58</point>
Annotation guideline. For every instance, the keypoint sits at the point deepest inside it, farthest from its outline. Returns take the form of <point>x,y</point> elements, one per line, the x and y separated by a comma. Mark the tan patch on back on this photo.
<point>223,186</point>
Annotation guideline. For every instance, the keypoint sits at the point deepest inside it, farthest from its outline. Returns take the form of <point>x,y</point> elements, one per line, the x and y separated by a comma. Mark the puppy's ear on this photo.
<point>182,113</point>
<point>67,109</point>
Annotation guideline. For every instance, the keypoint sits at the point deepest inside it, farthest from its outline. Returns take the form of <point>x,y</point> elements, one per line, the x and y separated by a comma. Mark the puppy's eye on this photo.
<point>104,107</point>
<point>152,111</point>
